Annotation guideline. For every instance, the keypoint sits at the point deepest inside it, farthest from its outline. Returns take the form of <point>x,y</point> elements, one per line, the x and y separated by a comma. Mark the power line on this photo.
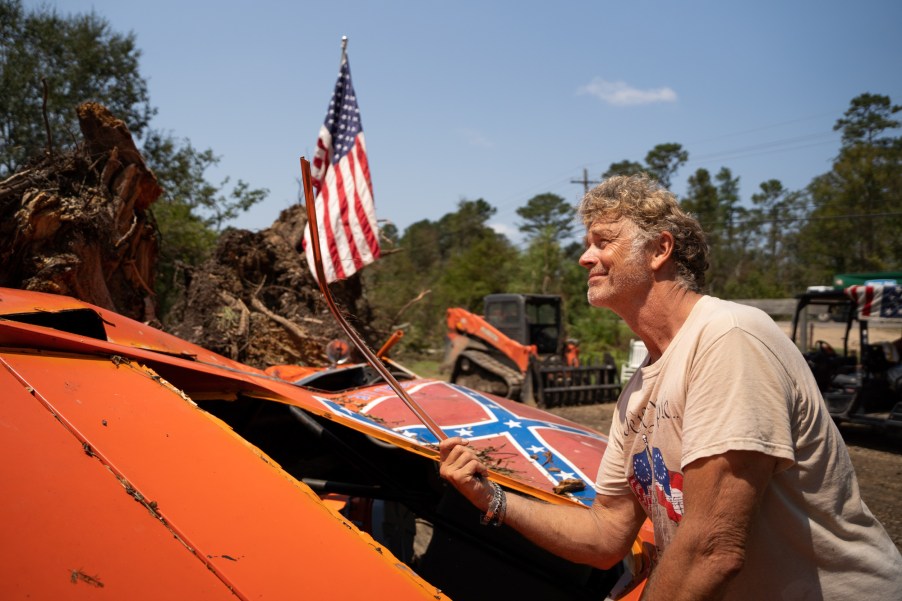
<point>815,139</point>
<point>764,148</point>
<point>759,221</point>
<point>507,205</point>
<point>763,127</point>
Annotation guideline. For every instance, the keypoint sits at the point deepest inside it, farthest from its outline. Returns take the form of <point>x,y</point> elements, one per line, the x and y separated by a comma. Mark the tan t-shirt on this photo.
<point>732,380</point>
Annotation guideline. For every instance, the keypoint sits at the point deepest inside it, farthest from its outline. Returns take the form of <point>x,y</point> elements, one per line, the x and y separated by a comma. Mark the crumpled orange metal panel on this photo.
<point>134,490</point>
<point>216,375</point>
<point>119,329</point>
<point>68,529</point>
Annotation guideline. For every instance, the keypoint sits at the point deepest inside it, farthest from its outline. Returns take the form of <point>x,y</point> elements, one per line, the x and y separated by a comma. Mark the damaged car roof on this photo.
<point>115,479</point>
<point>123,482</point>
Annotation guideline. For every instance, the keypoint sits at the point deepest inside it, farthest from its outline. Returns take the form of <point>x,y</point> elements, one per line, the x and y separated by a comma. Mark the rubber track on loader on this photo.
<point>513,378</point>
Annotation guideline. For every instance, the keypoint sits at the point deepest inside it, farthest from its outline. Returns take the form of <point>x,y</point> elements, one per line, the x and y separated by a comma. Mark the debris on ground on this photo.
<point>254,300</point>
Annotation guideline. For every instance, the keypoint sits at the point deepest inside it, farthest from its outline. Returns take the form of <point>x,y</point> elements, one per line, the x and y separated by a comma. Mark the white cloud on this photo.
<point>503,228</point>
<point>476,138</point>
<point>620,93</point>
<point>511,232</point>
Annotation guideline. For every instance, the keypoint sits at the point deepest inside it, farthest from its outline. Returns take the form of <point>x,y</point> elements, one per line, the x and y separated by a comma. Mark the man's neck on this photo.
<point>657,320</point>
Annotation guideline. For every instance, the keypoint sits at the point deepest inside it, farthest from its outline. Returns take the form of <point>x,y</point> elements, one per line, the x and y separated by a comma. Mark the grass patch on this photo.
<point>425,368</point>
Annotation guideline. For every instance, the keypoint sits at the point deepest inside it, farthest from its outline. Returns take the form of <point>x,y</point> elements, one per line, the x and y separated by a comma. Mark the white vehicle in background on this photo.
<point>637,356</point>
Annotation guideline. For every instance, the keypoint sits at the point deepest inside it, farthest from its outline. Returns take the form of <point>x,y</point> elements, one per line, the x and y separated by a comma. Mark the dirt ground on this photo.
<point>833,332</point>
<point>877,459</point>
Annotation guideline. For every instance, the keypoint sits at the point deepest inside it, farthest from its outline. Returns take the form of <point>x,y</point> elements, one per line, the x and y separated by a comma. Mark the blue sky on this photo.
<point>508,99</point>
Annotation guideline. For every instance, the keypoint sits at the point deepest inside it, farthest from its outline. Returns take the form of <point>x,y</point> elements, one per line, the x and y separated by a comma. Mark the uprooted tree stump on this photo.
<point>77,223</point>
<point>254,300</point>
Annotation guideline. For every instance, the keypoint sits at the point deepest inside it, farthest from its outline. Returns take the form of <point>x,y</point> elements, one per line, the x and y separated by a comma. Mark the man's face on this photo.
<point>616,269</point>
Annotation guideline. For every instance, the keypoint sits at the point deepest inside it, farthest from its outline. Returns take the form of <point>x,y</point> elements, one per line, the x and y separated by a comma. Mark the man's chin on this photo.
<point>597,298</point>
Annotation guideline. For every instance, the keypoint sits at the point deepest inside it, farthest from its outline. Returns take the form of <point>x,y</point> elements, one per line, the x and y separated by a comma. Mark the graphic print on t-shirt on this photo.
<point>655,485</point>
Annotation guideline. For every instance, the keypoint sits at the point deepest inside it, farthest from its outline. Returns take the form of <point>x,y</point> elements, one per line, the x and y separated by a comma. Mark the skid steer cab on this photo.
<point>518,350</point>
<point>863,385</point>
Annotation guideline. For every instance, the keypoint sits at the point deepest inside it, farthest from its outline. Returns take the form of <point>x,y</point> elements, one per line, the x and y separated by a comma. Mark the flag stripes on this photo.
<point>340,174</point>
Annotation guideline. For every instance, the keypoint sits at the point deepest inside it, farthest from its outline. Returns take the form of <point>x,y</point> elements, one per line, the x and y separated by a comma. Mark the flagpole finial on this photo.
<point>344,43</point>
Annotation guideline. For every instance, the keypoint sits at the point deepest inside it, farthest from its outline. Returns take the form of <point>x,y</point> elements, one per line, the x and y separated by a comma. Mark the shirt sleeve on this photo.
<point>739,398</point>
<point>611,478</point>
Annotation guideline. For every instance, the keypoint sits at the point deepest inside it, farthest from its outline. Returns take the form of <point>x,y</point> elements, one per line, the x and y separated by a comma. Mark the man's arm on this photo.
<point>721,495</point>
<point>599,536</point>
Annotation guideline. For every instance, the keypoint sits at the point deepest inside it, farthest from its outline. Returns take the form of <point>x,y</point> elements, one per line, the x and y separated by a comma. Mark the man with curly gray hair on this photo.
<point>721,438</point>
<point>651,209</point>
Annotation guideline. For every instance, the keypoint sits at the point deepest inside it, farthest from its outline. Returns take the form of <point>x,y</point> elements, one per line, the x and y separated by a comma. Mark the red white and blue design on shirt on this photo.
<point>537,448</point>
<point>655,485</point>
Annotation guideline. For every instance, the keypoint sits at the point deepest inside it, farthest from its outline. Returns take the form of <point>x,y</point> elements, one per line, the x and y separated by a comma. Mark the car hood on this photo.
<point>96,405</point>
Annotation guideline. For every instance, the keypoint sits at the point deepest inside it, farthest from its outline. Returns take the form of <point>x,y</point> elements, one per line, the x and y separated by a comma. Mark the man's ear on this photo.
<point>663,249</point>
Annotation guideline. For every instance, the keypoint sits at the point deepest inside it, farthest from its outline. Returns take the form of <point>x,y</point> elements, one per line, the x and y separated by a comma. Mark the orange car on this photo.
<point>141,466</point>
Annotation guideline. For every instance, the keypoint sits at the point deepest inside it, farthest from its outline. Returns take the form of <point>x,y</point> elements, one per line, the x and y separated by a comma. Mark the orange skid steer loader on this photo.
<point>517,350</point>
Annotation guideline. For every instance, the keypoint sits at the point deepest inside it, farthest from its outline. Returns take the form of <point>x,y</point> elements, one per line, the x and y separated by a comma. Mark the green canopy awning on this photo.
<point>844,280</point>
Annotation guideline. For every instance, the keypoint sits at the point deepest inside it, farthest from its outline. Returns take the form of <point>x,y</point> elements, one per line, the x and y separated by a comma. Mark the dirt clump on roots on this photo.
<point>255,301</point>
<point>77,223</point>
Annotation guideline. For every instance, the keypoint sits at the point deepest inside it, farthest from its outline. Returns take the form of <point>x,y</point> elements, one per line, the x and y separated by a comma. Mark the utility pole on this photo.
<point>585,181</point>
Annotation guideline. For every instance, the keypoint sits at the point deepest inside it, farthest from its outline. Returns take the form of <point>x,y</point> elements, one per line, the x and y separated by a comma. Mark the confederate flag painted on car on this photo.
<point>527,444</point>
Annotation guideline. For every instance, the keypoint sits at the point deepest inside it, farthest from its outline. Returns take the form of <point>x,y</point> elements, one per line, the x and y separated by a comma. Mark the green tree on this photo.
<point>422,242</point>
<point>392,283</point>
<point>547,221</point>
<point>703,202</point>
<point>466,273</point>
<point>664,160</point>
<point>191,211</point>
<point>866,119</point>
<point>469,224</point>
<point>79,58</point>
<point>484,268</point>
<point>774,218</point>
<point>714,201</point>
<point>734,264</point>
<point>856,211</point>
<point>452,262</point>
<point>180,169</point>
<point>770,205</point>
<point>733,213</point>
<point>625,167</point>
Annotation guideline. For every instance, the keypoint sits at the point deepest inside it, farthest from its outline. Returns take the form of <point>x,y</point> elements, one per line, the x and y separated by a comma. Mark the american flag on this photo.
<point>878,300</point>
<point>348,234</point>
